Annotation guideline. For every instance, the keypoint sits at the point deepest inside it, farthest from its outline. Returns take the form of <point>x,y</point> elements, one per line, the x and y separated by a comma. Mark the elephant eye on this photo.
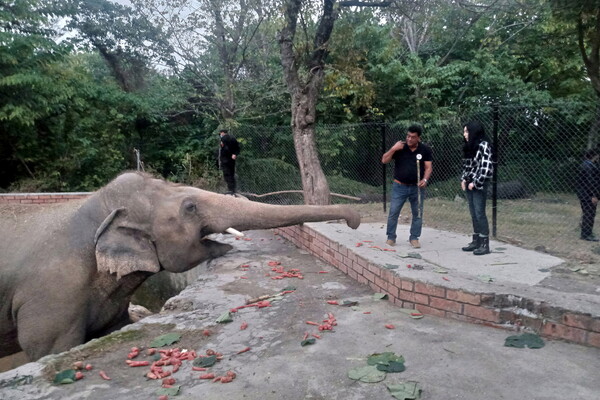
<point>190,207</point>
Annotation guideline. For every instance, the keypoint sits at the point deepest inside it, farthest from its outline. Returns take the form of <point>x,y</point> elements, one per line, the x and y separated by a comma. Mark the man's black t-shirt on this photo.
<point>405,163</point>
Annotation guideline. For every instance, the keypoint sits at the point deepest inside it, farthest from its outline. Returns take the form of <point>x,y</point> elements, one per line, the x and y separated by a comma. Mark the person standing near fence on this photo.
<point>413,164</point>
<point>476,174</point>
<point>588,188</point>
<point>229,149</point>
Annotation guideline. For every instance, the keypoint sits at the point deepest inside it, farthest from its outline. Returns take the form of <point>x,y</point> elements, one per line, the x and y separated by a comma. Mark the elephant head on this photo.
<point>152,224</point>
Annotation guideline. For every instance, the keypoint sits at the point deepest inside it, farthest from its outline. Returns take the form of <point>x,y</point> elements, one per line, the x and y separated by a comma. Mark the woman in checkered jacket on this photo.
<point>476,174</point>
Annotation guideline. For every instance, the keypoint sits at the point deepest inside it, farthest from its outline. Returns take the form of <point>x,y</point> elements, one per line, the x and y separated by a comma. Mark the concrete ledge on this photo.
<point>538,311</point>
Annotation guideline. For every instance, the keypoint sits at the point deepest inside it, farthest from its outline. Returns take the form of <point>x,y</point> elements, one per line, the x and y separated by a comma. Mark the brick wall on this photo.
<point>40,198</point>
<point>497,310</point>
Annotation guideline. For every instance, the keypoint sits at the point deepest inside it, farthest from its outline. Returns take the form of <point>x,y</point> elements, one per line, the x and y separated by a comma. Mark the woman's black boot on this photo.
<point>484,246</point>
<point>473,245</point>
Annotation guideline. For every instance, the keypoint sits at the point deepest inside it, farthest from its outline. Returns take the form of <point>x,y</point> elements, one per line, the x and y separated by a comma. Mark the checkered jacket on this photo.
<point>479,168</point>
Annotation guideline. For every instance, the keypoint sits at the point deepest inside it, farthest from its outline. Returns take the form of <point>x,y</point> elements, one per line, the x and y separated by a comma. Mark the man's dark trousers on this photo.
<point>229,174</point>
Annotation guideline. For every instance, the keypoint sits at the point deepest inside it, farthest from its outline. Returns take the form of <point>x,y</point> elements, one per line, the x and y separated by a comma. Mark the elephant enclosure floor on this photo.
<point>448,358</point>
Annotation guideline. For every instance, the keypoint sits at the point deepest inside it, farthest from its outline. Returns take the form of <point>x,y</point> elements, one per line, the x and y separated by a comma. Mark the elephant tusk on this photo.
<point>234,232</point>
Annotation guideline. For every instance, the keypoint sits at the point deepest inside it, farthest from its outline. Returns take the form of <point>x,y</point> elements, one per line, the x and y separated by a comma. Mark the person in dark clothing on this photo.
<point>229,149</point>
<point>476,174</point>
<point>588,188</point>
<point>412,169</point>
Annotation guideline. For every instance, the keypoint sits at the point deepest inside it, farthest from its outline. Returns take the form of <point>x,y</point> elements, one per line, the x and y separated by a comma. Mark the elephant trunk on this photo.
<point>244,215</point>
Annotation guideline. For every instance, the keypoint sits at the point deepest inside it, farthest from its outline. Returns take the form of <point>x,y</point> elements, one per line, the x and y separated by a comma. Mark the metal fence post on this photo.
<point>383,166</point>
<point>496,149</point>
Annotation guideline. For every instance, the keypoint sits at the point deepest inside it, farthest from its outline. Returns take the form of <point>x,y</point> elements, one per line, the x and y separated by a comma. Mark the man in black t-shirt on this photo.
<point>229,149</point>
<point>412,170</point>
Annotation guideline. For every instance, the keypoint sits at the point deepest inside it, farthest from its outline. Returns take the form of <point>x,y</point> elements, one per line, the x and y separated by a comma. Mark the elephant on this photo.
<point>68,271</point>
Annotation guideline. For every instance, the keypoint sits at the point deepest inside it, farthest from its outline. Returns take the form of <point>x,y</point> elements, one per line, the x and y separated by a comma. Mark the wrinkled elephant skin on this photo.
<point>68,271</point>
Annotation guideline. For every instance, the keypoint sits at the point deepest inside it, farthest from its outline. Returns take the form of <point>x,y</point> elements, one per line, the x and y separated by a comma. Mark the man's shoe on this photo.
<point>415,243</point>
<point>390,242</point>
<point>590,238</point>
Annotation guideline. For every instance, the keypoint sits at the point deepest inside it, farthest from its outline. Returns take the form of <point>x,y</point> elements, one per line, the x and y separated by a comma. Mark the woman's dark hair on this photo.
<point>476,136</point>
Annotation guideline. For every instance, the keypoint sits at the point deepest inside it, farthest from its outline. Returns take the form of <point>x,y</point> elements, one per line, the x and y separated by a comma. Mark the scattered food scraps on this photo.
<point>390,326</point>
<point>243,326</point>
<point>104,376</point>
<point>333,302</point>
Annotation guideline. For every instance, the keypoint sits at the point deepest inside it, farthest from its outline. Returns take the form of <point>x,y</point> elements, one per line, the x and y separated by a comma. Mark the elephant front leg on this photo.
<point>43,332</point>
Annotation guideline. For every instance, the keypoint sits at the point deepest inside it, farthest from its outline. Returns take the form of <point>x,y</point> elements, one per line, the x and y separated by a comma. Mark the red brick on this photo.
<point>421,298</point>
<point>430,311</point>
<point>374,287</point>
<point>356,267</point>
<point>347,262</point>
<point>386,275</point>
<point>343,268</point>
<point>407,296</point>
<point>362,279</point>
<point>463,297</point>
<point>429,289</point>
<point>352,274</point>
<point>381,282</point>
<point>447,305</point>
<point>374,269</point>
<point>577,320</point>
<point>362,262</point>
<point>595,325</point>
<point>563,332</point>
<point>482,313</point>
<point>370,277</point>
<point>408,285</point>
<point>393,290</point>
<point>593,339</point>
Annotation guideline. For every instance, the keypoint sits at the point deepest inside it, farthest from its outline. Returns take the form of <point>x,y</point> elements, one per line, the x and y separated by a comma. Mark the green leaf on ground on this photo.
<point>405,391</point>
<point>307,342</point>
<point>530,340</point>
<point>384,358</point>
<point>224,318</point>
<point>410,255</point>
<point>441,270</point>
<point>380,296</point>
<point>349,303</point>
<point>64,377</point>
<point>165,340</point>
<point>285,289</point>
<point>390,266</point>
<point>575,269</point>
<point>172,391</point>
<point>392,366</point>
<point>500,248</point>
<point>485,278</point>
<point>367,374</point>
<point>205,361</point>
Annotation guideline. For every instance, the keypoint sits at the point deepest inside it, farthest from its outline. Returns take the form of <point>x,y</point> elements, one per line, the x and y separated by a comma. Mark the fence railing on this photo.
<point>538,152</point>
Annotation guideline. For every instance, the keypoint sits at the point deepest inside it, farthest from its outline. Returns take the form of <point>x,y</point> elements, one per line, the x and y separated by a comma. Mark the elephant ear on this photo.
<point>123,248</point>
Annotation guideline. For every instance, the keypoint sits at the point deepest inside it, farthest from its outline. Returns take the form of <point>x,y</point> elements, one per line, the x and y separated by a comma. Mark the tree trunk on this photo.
<point>314,183</point>
<point>305,93</point>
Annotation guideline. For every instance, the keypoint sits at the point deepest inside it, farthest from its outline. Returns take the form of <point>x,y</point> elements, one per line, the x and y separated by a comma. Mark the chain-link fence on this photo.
<point>532,203</point>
